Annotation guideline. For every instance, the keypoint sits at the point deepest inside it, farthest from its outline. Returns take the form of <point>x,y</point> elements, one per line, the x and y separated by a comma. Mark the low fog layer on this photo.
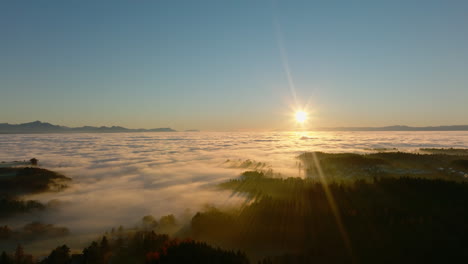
<point>119,178</point>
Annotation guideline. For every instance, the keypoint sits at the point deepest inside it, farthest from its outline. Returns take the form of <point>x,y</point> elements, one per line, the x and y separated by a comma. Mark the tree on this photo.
<point>60,255</point>
<point>33,161</point>
<point>5,232</point>
<point>104,244</point>
<point>19,254</point>
<point>105,250</point>
<point>149,223</point>
<point>92,254</point>
<point>5,259</point>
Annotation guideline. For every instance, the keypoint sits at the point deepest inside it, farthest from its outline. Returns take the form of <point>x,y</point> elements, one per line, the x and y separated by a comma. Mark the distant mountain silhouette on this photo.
<point>41,127</point>
<point>398,128</point>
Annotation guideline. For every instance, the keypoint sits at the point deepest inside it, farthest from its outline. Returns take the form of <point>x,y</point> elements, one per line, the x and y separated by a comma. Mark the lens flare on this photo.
<point>301,116</point>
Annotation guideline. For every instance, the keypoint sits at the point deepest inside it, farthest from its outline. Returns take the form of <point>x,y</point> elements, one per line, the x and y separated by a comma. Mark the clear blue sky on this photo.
<point>220,65</point>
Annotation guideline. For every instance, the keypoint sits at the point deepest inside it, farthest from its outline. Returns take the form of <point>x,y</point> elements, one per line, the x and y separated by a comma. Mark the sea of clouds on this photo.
<point>119,178</point>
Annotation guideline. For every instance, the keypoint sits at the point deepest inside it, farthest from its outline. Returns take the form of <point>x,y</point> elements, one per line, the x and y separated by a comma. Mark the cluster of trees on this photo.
<point>448,151</point>
<point>167,224</point>
<point>18,257</point>
<point>190,251</point>
<point>27,180</point>
<point>10,206</point>
<point>247,164</point>
<point>18,181</point>
<point>31,231</point>
<point>384,164</point>
<point>140,247</point>
<point>369,221</point>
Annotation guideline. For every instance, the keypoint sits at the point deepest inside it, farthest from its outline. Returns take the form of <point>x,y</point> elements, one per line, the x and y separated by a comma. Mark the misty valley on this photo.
<point>381,206</point>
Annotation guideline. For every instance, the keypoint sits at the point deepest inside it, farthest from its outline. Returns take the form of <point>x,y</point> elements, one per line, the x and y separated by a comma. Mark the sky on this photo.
<point>234,65</point>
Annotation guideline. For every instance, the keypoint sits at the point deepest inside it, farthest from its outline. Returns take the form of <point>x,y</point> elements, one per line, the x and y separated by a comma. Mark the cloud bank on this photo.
<point>119,178</point>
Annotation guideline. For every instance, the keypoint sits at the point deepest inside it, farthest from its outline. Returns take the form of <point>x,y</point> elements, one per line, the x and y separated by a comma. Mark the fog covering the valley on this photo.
<point>119,178</point>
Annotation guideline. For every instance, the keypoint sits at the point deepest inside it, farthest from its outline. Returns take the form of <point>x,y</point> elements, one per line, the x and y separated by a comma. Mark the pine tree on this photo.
<point>19,254</point>
<point>5,259</point>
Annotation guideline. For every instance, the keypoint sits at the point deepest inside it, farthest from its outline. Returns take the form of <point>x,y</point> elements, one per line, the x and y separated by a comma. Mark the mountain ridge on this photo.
<point>38,127</point>
<point>398,128</point>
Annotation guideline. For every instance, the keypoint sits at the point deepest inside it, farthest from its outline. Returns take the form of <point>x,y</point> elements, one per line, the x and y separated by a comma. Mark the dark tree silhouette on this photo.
<point>19,254</point>
<point>34,161</point>
<point>5,259</point>
<point>60,255</point>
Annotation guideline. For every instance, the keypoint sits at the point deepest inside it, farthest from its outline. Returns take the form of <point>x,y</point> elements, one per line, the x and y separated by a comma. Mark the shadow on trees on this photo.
<point>385,220</point>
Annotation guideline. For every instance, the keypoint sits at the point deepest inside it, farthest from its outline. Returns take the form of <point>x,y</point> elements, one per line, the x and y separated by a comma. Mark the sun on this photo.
<point>301,116</point>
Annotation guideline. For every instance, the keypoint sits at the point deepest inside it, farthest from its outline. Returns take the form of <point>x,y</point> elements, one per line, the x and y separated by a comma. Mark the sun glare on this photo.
<point>301,116</point>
